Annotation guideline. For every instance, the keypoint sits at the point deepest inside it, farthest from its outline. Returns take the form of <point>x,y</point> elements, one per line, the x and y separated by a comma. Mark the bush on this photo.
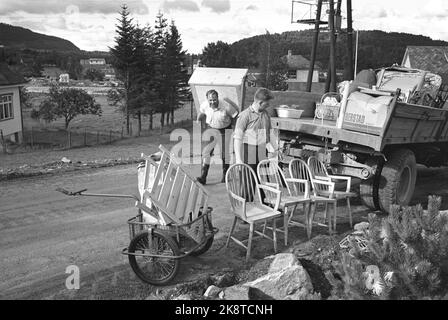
<point>406,258</point>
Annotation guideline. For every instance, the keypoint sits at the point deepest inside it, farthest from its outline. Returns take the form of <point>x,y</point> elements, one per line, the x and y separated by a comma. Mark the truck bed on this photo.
<point>324,128</point>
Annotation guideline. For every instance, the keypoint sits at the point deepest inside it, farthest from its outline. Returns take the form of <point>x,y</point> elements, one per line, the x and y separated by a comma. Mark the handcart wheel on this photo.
<point>154,270</point>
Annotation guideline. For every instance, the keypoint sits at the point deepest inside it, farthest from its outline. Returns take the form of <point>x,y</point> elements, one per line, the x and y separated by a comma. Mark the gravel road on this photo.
<point>42,232</point>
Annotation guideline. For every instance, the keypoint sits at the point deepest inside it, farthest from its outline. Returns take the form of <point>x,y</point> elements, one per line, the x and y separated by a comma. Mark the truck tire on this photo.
<point>368,189</point>
<point>397,180</point>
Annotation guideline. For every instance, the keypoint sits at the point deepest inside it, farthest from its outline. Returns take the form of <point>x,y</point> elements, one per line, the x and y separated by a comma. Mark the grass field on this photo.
<point>111,119</point>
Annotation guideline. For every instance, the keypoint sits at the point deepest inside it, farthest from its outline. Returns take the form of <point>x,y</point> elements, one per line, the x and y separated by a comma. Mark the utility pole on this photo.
<point>332,46</point>
<point>350,63</point>
<point>314,48</point>
<point>268,67</point>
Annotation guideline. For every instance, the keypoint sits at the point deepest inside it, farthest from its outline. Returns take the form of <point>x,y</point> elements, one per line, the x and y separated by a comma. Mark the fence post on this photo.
<point>3,142</point>
<point>130,129</point>
<point>32,139</point>
<point>85,137</point>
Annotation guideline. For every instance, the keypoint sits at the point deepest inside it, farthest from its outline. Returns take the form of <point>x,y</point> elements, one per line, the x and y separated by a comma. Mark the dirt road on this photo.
<point>42,232</point>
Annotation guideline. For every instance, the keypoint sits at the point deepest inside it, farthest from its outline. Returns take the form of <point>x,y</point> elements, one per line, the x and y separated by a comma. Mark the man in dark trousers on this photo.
<point>218,115</point>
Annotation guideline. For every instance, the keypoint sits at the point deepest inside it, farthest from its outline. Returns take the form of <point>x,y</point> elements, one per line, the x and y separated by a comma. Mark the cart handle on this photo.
<point>81,193</point>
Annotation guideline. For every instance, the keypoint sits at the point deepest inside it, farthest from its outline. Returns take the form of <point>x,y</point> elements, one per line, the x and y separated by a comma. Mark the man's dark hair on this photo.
<point>263,94</point>
<point>210,92</point>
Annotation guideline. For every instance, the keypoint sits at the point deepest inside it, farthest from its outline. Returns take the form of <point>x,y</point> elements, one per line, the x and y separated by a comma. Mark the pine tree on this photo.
<point>176,80</point>
<point>122,54</point>
<point>410,249</point>
<point>160,35</point>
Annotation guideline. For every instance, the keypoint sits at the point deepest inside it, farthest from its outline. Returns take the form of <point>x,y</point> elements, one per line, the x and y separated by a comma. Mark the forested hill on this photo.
<point>376,48</point>
<point>21,38</point>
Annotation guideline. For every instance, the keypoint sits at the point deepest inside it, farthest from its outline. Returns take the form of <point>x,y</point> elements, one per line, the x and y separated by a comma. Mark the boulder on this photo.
<point>224,280</point>
<point>292,283</point>
<point>183,297</point>
<point>237,292</point>
<point>362,226</point>
<point>212,292</point>
<point>283,261</point>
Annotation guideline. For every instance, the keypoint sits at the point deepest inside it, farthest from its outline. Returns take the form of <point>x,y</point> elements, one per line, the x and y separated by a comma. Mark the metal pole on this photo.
<point>350,61</point>
<point>356,56</point>
<point>332,46</point>
<point>314,48</point>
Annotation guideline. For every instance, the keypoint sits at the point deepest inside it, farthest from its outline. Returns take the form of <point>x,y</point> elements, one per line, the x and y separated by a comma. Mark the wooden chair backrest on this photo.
<point>298,169</point>
<point>317,169</point>
<point>270,174</point>
<point>174,192</point>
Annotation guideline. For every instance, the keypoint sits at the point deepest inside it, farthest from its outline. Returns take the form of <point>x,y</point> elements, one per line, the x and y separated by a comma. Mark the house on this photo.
<point>100,65</point>
<point>255,78</point>
<point>428,58</point>
<point>52,72</point>
<point>11,124</point>
<point>64,78</point>
<point>298,68</point>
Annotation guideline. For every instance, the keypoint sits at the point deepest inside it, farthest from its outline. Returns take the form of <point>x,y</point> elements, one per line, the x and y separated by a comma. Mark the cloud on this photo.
<point>252,7</point>
<point>182,5</point>
<point>218,6</point>
<point>62,6</point>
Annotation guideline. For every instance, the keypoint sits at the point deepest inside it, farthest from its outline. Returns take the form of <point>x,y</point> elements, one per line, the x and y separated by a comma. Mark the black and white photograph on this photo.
<point>222,155</point>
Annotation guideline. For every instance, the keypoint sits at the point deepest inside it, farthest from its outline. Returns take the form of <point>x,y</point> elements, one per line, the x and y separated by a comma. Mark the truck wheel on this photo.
<point>397,180</point>
<point>368,189</point>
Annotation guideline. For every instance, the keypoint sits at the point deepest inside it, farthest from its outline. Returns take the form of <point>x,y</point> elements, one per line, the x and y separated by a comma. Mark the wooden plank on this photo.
<point>159,177</point>
<point>199,201</point>
<point>193,194</point>
<point>183,198</point>
<point>175,191</point>
<point>167,184</point>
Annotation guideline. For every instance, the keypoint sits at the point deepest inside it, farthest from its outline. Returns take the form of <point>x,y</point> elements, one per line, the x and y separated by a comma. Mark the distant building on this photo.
<point>100,65</point>
<point>255,78</point>
<point>64,78</point>
<point>93,61</point>
<point>298,68</point>
<point>11,123</point>
<point>428,58</point>
<point>51,72</point>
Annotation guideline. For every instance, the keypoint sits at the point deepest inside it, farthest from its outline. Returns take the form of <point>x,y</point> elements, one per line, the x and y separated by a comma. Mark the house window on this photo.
<point>6,108</point>
<point>292,74</point>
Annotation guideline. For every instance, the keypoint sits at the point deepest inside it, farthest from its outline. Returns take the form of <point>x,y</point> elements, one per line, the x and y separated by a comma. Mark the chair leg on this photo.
<point>249,243</point>
<point>335,215</point>
<point>350,212</point>
<point>285,225</point>
<point>308,223</point>
<point>312,210</point>
<point>274,231</point>
<point>264,227</point>
<point>231,231</point>
<point>326,213</point>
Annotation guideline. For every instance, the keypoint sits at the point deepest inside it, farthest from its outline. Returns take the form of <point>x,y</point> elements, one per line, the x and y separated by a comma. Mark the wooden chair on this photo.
<point>246,202</point>
<point>319,172</point>
<point>270,174</point>
<point>298,169</point>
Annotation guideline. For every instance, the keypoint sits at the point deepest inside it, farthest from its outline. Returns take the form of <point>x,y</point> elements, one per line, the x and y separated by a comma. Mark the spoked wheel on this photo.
<point>154,270</point>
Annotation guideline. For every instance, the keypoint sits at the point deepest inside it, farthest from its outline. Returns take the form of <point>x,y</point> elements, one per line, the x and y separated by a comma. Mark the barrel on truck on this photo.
<point>382,131</point>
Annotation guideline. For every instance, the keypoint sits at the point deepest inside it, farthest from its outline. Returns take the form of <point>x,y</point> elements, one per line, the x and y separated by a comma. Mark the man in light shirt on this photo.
<point>252,131</point>
<point>218,115</point>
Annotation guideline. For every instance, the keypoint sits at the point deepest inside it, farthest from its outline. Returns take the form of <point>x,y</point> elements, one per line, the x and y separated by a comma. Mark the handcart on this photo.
<point>174,218</point>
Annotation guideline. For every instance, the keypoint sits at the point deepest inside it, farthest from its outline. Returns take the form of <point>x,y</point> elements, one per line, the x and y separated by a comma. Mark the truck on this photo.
<point>375,132</point>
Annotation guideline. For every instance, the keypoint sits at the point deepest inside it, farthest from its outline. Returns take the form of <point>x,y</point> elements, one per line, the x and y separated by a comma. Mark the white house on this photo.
<point>11,123</point>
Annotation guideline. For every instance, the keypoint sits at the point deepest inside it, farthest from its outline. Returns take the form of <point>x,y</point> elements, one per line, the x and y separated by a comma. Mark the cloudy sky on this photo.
<point>90,24</point>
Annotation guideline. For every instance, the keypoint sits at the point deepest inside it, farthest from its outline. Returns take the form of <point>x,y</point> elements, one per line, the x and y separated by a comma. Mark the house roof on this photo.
<point>9,77</point>
<point>428,58</point>
<point>298,62</point>
<point>218,76</point>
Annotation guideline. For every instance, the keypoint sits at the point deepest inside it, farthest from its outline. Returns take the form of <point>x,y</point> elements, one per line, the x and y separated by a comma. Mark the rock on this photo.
<point>362,226</point>
<point>237,292</point>
<point>65,160</point>
<point>283,261</point>
<point>224,280</point>
<point>293,283</point>
<point>212,292</point>
<point>183,297</point>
